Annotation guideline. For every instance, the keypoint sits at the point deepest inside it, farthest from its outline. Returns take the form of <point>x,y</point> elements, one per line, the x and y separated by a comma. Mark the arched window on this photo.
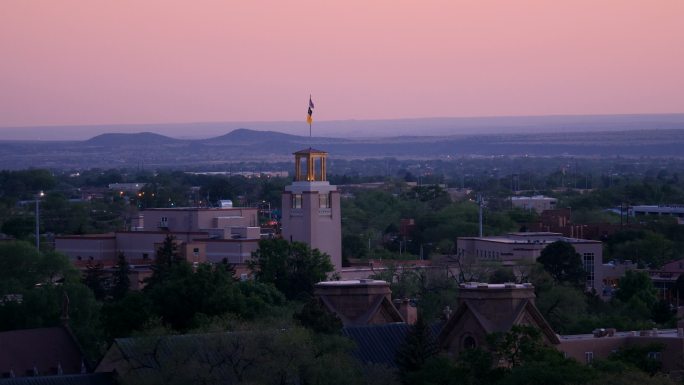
<point>468,342</point>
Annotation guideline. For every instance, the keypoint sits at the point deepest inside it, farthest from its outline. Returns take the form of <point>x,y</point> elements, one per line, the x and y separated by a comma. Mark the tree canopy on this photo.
<point>292,267</point>
<point>563,263</point>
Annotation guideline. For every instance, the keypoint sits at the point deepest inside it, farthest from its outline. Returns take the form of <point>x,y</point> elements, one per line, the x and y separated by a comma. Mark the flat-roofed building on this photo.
<point>676,211</point>
<point>214,235</point>
<point>537,203</point>
<point>515,249</point>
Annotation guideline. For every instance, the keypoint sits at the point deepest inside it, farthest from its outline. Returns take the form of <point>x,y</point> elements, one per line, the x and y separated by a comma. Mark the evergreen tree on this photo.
<point>94,279</point>
<point>165,259</point>
<point>121,282</point>
<point>418,347</point>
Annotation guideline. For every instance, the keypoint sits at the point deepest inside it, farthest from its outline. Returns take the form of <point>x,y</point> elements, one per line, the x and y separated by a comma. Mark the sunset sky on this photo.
<point>68,62</point>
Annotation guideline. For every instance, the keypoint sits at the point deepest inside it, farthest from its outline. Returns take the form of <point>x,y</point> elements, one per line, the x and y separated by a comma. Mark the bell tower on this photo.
<point>311,207</point>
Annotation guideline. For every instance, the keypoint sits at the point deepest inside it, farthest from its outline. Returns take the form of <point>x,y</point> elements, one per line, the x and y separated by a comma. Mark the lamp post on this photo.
<point>38,196</point>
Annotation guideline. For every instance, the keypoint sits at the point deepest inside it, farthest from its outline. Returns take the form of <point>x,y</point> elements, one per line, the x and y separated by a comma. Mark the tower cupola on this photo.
<point>310,165</point>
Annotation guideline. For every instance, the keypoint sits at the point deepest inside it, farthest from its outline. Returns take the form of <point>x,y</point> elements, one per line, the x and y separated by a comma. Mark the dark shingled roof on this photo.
<point>72,379</point>
<point>43,349</point>
<point>378,344</point>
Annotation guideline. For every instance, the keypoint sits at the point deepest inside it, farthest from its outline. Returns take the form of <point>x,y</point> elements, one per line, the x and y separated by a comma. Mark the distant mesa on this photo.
<point>244,135</point>
<point>137,139</point>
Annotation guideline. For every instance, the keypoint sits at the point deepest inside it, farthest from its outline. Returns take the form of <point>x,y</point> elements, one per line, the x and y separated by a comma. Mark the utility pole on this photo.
<point>480,203</point>
<point>38,196</point>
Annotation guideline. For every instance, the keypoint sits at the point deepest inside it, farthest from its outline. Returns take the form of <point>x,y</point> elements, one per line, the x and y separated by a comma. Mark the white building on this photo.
<point>537,203</point>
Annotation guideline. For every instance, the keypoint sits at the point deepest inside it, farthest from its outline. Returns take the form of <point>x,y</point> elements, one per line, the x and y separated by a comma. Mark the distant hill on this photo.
<point>244,135</point>
<point>247,136</point>
<point>244,145</point>
<point>378,128</point>
<point>136,139</point>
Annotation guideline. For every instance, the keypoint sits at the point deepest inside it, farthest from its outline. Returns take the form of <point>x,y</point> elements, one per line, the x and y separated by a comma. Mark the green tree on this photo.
<point>517,346</point>
<point>418,347</point>
<point>563,263</point>
<point>127,314</point>
<point>562,306</point>
<point>165,259</point>
<point>292,267</point>
<point>120,280</point>
<point>41,281</point>
<point>502,275</point>
<point>637,286</point>
<point>316,317</point>
<point>94,278</point>
<point>641,356</point>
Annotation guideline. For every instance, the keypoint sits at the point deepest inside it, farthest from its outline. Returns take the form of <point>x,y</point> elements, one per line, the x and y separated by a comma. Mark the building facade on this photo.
<point>518,249</point>
<point>201,235</point>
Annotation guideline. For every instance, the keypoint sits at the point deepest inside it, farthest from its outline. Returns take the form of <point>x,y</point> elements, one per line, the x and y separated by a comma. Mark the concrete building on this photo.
<point>311,207</point>
<point>537,203</point>
<point>515,249</point>
<point>676,211</point>
<point>201,234</point>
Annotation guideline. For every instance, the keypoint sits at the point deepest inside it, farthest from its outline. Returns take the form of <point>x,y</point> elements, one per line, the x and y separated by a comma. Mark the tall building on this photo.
<point>311,207</point>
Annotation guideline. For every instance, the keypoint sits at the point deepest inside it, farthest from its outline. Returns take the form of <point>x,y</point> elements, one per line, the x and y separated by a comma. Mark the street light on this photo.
<point>38,196</point>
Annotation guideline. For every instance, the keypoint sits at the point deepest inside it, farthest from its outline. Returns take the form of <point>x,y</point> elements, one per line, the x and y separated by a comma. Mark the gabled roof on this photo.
<point>525,307</point>
<point>379,305</point>
<point>45,349</point>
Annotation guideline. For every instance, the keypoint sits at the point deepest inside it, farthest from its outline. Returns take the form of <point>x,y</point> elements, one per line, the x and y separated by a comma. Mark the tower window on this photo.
<point>296,201</point>
<point>324,201</point>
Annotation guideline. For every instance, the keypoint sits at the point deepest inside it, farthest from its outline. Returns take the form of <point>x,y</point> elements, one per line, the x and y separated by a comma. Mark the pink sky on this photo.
<point>158,61</point>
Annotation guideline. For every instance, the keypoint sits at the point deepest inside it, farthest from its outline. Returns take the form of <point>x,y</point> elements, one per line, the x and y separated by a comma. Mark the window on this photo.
<point>588,263</point>
<point>324,201</point>
<point>146,256</point>
<point>164,219</point>
<point>195,251</point>
<point>589,357</point>
<point>654,356</point>
<point>468,342</point>
<point>296,201</point>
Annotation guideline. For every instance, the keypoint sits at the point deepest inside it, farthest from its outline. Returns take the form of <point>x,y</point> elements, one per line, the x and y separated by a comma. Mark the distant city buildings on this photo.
<point>227,234</point>
<point>537,203</point>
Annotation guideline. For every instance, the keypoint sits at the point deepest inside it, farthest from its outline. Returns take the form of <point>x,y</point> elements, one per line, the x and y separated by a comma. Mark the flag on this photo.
<point>309,118</point>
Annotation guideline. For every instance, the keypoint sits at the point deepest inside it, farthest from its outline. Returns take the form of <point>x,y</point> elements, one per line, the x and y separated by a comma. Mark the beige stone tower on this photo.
<point>311,207</point>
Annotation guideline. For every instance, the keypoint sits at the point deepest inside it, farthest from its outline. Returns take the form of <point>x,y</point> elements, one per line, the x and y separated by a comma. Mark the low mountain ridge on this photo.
<point>133,139</point>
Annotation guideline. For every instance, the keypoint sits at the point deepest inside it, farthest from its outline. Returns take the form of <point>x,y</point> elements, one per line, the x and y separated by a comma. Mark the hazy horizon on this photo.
<point>430,126</point>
